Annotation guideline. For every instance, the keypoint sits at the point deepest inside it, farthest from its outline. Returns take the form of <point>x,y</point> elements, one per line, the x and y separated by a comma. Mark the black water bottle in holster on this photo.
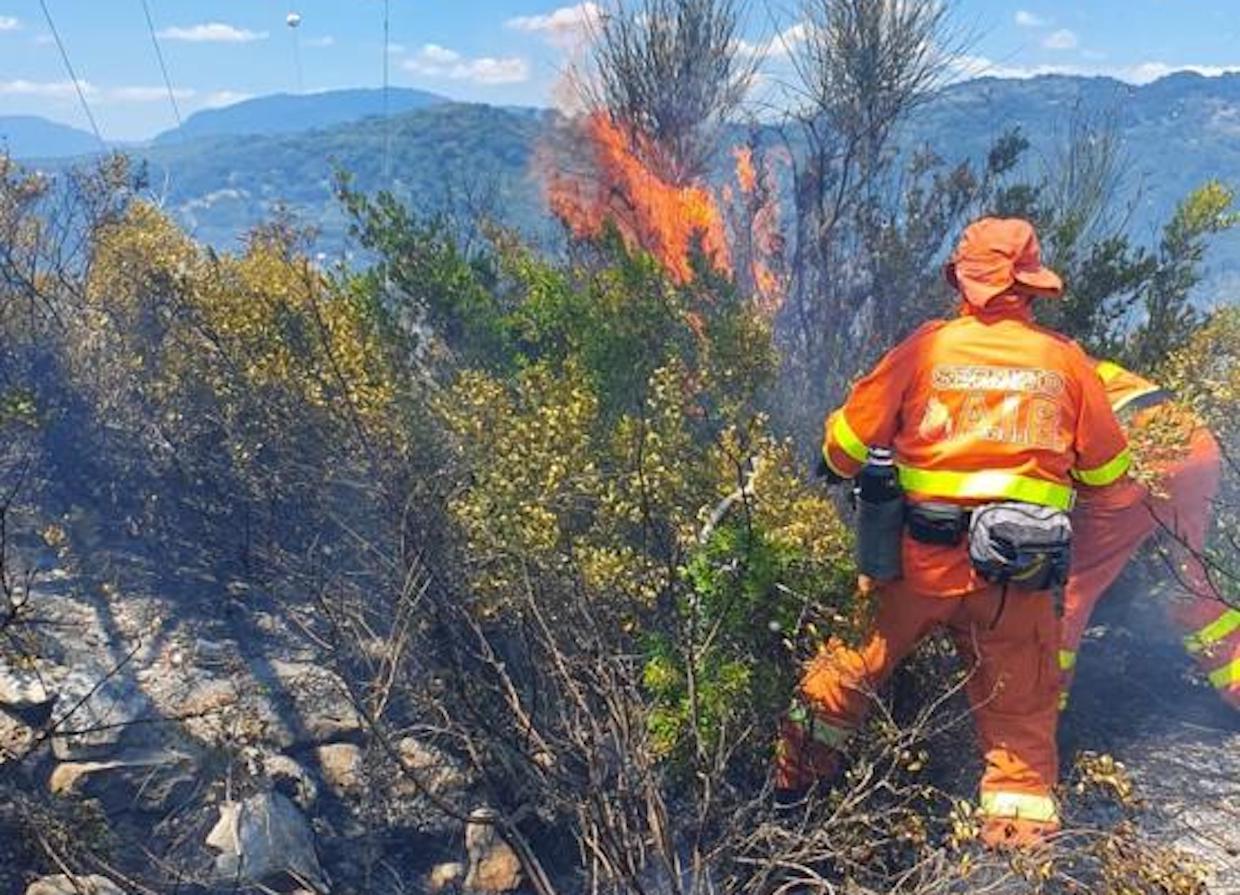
<point>880,517</point>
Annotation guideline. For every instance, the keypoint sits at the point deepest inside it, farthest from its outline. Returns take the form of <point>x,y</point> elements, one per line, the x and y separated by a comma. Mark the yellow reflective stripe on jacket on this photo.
<point>1224,677</point>
<point>990,483</point>
<point>1021,805</point>
<point>1123,402</point>
<point>1108,370</point>
<point>1106,473</point>
<point>1067,659</point>
<point>847,439</point>
<point>1200,641</point>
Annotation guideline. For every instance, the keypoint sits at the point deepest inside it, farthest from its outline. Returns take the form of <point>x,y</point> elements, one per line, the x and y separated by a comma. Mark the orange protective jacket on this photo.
<point>988,406</point>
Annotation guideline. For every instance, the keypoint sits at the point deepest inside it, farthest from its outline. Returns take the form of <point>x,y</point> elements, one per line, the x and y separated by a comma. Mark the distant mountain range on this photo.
<point>28,136</point>
<point>31,137</point>
<point>227,169</point>
<point>285,113</point>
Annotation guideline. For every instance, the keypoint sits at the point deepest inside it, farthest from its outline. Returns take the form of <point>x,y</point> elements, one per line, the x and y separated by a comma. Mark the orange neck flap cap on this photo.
<point>1000,255</point>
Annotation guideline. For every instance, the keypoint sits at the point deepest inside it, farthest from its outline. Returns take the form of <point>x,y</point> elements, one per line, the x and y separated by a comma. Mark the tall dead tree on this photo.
<point>860,68</point>
<point>672,72</point>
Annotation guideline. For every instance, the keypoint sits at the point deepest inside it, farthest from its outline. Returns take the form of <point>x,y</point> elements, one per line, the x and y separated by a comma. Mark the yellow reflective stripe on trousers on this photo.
<point>1067,659</point>
<point>1106,473</point>
<point>1200,641</point>
<point>1108,370</point>
<point>1022,805</point>
<point>1063,701</point>
<point>992,484</point>
<point>1224,677</point>
<point>847,439</point>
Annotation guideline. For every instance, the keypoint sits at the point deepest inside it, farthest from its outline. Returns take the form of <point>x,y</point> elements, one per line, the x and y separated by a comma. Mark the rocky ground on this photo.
<point>1138,698</point>
<point>185,708</point>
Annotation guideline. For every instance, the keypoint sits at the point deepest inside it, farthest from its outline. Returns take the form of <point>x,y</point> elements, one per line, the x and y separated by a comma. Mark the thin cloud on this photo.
<point>565,26</point>
<point>440,62</point>
<point>10,23</point>
<point>1027,19</point>
<point>320,42</point>
<point>45,89</point>
<point>1063,39</point>
<point>142,94</point>
<point>213,32</point>
<point>967,67</point>
<point>780,46</point>
<point>225,98</point>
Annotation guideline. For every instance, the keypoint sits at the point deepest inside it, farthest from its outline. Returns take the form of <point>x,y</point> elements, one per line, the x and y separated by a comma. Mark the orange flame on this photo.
<point>746,173</point>
<point>659,217</point>
<point>756,227</point>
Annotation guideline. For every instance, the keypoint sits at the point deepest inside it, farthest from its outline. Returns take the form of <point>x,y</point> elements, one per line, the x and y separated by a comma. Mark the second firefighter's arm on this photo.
<point>870,416</point>
<point>1101,447</point>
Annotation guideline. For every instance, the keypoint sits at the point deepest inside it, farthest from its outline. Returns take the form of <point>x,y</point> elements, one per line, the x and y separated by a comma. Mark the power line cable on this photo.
<point>77,85</point>
<point>163,67</point>
<point>387,121</point>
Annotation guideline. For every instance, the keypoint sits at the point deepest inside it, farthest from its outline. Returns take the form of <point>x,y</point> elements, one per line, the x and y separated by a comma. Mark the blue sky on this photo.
<point>501,51</point>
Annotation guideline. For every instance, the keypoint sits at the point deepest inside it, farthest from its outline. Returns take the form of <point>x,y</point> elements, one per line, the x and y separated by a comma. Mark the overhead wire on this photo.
<point>387,121</point>
<point>163,67</point>
<point>77,85</point>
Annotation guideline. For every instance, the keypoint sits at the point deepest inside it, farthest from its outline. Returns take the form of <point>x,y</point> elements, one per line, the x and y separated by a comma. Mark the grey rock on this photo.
<point>265,839</point>
<point>78,885</point>
<point>102,714</point>
<point>430,767</point>
<point>25,695</point>
<point>445,877</point>
<point>342,767</point>
<point>291,779</point>
<point>150,781</point>
<point>319,701</point>
<point>493,865</point>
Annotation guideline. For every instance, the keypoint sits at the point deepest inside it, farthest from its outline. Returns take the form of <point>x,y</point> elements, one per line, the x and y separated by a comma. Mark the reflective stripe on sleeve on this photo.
<point>1123,402</point>
<point>1224,677</point>
<point>826,458</point>
<point>846,439</point>
<point>1067,659</point>
<point>1019,805</point>
<point>1200,641</point>
<point>1106,473</point>
<point>1108,370</point>
<point>987,484</point>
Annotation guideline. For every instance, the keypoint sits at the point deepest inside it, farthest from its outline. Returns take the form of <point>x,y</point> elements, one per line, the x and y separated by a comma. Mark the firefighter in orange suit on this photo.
<point>1111,525</point>
<point>986,408</point>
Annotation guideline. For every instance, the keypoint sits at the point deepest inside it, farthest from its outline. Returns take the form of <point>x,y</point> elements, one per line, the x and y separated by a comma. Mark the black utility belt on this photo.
<point>939,523</point>
<point>1010,542</point>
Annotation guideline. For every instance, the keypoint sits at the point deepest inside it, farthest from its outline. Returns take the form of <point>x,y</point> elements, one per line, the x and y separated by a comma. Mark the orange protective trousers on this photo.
<point>1109,527</point>
<point>1009,645</point>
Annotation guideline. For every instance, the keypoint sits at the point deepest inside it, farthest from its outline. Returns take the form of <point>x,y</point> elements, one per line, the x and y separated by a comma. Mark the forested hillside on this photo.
<point>1172,135</point>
